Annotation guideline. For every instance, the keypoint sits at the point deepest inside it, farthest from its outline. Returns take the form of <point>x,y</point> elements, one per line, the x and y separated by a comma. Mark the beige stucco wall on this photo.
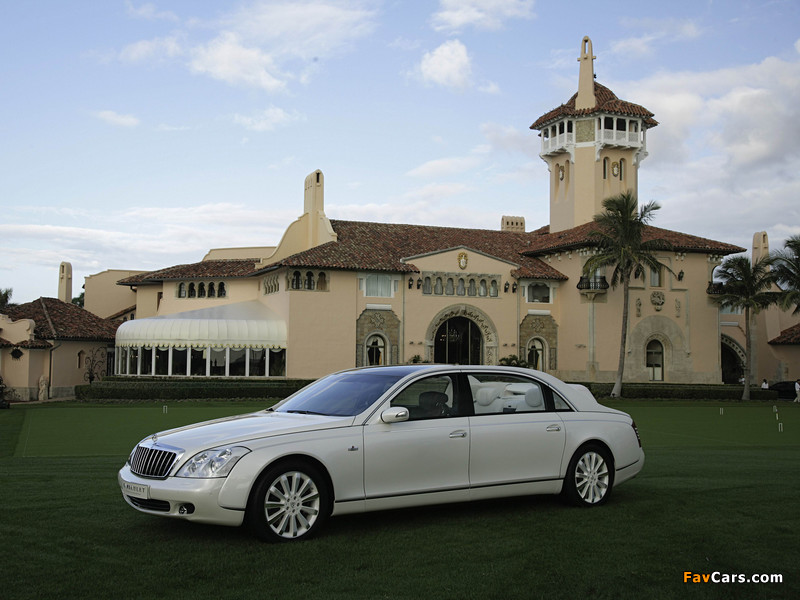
<point>103,297</point>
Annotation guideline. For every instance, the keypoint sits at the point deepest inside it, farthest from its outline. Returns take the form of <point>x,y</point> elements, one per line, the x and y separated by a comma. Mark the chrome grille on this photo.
<point>152,462</point>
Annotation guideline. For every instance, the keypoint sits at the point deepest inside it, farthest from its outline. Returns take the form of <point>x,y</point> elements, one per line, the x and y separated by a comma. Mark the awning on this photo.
<point>240,325</point>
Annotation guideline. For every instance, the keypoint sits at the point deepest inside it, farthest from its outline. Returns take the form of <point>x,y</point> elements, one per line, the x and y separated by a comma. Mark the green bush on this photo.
<point>679,391</point>
<point>151,388</point>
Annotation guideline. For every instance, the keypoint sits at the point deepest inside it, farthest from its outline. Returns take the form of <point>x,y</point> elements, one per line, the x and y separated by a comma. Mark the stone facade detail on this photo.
<point>545,328</point>
<point>381,322</point>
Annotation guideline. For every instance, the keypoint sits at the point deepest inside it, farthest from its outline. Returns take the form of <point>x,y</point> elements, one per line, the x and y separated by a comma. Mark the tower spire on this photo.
<point>586,97</point>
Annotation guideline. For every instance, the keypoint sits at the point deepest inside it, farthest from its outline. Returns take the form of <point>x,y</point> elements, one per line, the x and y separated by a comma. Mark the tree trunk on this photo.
<point>616,392</point>
<point>747,353</point>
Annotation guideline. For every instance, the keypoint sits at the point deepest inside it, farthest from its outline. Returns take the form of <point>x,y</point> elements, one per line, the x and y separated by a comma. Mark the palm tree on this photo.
<point>746,286</point>
<point>787,273</point>
<point>620,244</point>
<point>5,298</point>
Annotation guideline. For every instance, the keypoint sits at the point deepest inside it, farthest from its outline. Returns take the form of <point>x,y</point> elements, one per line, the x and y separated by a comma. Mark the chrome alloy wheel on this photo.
<point>292,504</point>
<point>591,477</point>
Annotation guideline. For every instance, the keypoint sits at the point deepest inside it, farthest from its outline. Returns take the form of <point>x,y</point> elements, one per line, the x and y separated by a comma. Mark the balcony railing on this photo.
<point>557,142</point>
<point>593,284</point>
<point>715,289</point>
<point>621,138</point>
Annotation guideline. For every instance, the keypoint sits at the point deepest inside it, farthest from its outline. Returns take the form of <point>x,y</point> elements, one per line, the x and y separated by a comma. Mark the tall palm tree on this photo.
<point>620,244</point>
<point>787,273</point>
<point>746,286</point>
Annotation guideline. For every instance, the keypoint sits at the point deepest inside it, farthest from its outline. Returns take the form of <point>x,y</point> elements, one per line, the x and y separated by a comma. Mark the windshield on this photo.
<point>342,394</point>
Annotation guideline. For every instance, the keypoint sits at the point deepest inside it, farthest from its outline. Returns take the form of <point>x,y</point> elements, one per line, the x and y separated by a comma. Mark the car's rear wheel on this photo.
<point>291,501</point>
<point>590,476</point>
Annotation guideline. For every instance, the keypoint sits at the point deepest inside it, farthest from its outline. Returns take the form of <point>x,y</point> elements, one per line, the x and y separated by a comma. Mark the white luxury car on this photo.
<point>386,437</point>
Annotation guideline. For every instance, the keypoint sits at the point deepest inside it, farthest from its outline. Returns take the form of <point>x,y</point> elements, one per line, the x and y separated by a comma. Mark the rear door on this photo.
<point>516,436</point>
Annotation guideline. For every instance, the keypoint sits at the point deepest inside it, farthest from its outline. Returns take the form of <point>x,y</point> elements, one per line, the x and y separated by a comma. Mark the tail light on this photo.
<point>636,431</point>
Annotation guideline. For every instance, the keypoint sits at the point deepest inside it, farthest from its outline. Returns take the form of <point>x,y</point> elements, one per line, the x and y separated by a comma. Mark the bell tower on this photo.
<point>592,145</point>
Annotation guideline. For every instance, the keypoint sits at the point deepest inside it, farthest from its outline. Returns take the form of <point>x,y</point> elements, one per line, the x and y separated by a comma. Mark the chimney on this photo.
<point>65,282</point>
<point>513,224</point>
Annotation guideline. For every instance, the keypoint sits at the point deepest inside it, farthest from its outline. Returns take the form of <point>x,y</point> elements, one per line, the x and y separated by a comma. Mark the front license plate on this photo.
<point>136,490</point>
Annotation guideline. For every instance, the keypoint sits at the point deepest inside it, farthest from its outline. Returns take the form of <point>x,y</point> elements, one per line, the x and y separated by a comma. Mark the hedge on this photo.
<point>680,391</point>
<point>141,388</point>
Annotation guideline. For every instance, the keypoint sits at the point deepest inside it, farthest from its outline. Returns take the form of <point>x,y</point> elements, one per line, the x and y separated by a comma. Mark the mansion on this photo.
<point>337,294</point>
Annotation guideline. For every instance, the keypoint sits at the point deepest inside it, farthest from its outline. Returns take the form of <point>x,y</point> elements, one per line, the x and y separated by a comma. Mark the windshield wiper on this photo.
<point>307,412</point>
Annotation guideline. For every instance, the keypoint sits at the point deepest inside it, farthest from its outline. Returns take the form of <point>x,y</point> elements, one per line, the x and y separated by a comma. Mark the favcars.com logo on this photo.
<point>717,577</point>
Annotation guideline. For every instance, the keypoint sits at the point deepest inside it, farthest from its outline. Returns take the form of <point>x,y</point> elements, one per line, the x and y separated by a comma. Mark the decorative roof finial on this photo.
<point>586,97</point>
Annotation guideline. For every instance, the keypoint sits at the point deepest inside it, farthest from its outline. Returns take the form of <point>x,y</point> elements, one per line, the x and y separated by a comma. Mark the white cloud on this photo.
<point>481,14</point>
<point>444,167</point>
<point>149,11</point>
<point>304,29</point>
<point>449,65</point>
<point>227,59</point>
<point>155,49</point>
<point>114,118</point>
<point>267,120</point>
<point>655,31</point>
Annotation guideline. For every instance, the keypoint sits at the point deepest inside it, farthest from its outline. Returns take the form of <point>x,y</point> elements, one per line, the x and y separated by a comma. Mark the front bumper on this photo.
<point>179,497</point>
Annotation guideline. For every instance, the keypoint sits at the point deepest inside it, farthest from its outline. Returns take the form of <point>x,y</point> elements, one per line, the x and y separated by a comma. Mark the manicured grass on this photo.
<point>718,493</point>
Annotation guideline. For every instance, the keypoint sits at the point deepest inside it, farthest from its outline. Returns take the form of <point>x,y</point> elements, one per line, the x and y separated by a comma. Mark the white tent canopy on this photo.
<point>241,325</point>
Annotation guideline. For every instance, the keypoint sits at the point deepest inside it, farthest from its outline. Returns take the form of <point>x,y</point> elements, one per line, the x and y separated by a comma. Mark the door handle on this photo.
<point>553,428</point>
<point>459,434</point>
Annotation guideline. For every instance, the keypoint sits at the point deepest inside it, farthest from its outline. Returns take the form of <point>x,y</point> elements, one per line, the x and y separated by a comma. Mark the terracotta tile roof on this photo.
<point>383,246</point>
<point>544,242</point>
<point>57,320</point>
<point>788,336</point>
<point>606,102</point>
<point>208,268</point>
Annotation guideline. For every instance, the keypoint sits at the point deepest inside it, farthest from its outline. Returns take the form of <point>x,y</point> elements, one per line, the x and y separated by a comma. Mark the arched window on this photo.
<point>322,282</point>
<point>461,289</point>
<point>221,290</point>
<point>426,286</point>
<point>449,287</point>
<point>622,169</point>
<point>212,291</point>
<point>201,290</point>
<point>181,290</point>
<point>192,291</point>
<point>438,288</point>
<point>376,350</point>
<point>493,289</point>
<point>655,360</point>
<point>484,289</point>
<point>605,168</point>
<point>536,354</point>
<point>309,281</point>
<point>297,280</point>
<point>472,289</point>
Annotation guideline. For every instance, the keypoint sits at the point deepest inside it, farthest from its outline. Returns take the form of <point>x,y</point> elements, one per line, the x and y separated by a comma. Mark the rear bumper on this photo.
<point>629,471</point>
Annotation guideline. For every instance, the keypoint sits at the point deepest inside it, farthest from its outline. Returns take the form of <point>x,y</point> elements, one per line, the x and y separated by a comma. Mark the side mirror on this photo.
<point>395,414</point>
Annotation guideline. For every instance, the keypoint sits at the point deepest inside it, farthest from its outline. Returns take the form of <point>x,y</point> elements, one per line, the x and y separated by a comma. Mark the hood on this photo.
<point>240,429</point>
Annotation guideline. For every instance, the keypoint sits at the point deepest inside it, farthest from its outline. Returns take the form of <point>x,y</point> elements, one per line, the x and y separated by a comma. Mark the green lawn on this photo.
<point>719,493</point>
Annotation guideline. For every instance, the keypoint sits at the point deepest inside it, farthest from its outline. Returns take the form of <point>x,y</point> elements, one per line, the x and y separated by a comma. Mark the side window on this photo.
<point>429,398</point>
<point>560,403</point>
<point>498,393</point>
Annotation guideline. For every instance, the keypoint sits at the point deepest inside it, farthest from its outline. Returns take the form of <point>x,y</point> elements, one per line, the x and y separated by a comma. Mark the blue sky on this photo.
<point>137,135</point>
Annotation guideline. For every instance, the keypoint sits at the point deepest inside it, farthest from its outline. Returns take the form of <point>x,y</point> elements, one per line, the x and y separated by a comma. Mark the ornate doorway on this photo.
<point>458,341</point>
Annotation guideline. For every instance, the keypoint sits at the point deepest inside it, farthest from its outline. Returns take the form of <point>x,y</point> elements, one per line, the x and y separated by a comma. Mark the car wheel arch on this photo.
<point>295,459</point>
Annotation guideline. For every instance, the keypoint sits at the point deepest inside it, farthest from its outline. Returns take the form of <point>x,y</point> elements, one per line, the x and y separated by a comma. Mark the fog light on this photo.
<point>186,509</point>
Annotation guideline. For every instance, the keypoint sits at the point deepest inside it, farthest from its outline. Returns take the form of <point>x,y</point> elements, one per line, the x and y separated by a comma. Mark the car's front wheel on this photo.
<point>290,501</point>
<point>590,476</point>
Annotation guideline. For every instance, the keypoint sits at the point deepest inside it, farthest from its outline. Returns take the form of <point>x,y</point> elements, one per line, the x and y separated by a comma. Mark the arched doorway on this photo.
<point>732,364</point>
<point>536,355</point>
<point>458,340</point>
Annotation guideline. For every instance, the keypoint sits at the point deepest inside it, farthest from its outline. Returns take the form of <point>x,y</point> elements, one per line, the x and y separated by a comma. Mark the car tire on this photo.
<point>590,476</point>
<point>290,501</point>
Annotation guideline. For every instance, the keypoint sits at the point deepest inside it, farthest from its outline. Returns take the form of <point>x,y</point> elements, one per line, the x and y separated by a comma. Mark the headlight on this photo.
<point>216,462</point>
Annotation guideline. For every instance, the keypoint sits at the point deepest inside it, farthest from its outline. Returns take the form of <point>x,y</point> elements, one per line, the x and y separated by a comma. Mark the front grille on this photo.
<point>154,505</point>
<point>152,462</point>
